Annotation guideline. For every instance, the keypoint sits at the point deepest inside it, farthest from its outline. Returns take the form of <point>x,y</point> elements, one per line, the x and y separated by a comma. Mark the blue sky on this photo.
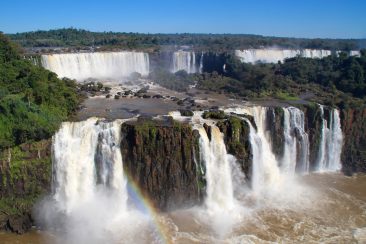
<point>292,18</point>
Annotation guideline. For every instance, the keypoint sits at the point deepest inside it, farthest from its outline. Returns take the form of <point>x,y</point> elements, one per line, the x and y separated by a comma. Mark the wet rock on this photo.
<point>214,114</point>
<point>236,136</point>
<point>128,93</point>
<point>19,224</point>
<point>158,96</point>
<point>160,157</point>
<point>354,140</point>
<point>186,112</point>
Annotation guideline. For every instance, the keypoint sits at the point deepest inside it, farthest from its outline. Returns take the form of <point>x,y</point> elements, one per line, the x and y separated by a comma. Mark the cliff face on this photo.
<point>275,126</point>
<point>354,142</point>
<point>160,157</point>
<point>214,62</point>
<point>236,137</point>
<point>313,124</point>
<point>25,175</point>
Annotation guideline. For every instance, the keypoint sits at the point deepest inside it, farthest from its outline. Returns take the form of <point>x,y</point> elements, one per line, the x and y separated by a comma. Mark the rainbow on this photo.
<point>146,206</point>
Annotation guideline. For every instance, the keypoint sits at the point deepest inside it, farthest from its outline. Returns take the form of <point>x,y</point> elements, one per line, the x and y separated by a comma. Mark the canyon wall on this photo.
<point>172,162</point>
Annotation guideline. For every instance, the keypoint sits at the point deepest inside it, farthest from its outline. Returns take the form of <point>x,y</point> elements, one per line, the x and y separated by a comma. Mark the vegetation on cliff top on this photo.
<point>33,101</point>
<point>334,80</point>
<point>78,38</point>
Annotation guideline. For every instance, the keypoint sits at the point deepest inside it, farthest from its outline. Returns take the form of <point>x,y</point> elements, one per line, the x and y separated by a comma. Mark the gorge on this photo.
<point>180,161</point>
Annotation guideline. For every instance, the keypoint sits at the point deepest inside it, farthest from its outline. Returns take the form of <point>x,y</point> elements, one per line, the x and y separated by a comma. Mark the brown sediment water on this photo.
<point>328,208</point>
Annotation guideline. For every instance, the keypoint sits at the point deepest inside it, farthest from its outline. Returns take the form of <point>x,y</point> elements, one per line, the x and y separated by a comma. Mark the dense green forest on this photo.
<point>333,80</point>
<point>33,101</point>
<point>77,38</point>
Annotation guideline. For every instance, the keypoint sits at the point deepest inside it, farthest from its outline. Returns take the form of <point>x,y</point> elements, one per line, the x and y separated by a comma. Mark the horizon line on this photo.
<point>183,33</point>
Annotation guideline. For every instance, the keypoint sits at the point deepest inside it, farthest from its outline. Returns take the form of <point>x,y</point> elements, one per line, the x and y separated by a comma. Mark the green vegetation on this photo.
<point>334,80</point>
<point>219,114</point>
<point>77,38</point>
<point>33,101</point>
<point>25,178</point>
<point>286,96</point>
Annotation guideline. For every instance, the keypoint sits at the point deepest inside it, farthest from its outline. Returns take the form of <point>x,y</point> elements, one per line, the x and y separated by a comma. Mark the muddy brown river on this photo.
<point>322,208</point>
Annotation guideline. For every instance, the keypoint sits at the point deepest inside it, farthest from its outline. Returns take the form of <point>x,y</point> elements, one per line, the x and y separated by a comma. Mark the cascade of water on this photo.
<point>84,154</point>
<point>297,131</point>
<point>99,65</point>
<point>183,60</point>
<point>275,55</point>
<point>220,191</point>
<point>289,159</point>
<point>266,173</point>
<point>201,63</point>
<point>329,154</point>
<point>265,170</point>
<point>335,148</point>
<point>322,154</point>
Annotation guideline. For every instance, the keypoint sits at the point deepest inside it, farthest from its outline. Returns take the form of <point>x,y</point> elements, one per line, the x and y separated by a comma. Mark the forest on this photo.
<point>33,101</point>
<point>333,80</point>
<point>78,38</point>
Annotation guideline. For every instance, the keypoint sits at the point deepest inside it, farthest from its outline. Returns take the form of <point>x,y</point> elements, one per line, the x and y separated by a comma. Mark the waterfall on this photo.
<point>322,154</point>
<point>315,53</point>
<point>183,60</point>
<point>274,55</point>
<point>220,191</point>
<point>265,171</point>
<point>99,65</point>
<point>331,140</point>
<point>289,159</point>
<point>201,63</point>
<point>87,155</point>
<point>294,133</point>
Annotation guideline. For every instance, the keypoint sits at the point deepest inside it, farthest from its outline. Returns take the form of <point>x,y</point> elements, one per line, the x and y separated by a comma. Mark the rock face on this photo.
<point>214,62</point>
<point>354,144</point>
<point>25,175</point>
<point>160,157</point>
<point>313,122</point>
<point>236,137</point>
<point>275,126</point>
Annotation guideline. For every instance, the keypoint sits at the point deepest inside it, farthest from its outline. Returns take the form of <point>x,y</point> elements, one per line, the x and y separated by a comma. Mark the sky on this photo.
<point>290,18</point>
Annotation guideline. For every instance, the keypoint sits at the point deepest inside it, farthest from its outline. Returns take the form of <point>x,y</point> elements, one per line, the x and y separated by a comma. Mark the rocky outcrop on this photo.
<point>275,127</point>
<point>354,141</point>
<point>313,126</point>
<point>236,137</point>
<point>25,175</point>
<point>214,62</point>
<point>161,157</point>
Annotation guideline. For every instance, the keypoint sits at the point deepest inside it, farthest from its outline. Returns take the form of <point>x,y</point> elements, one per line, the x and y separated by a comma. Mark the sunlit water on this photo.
<point>328,208</point>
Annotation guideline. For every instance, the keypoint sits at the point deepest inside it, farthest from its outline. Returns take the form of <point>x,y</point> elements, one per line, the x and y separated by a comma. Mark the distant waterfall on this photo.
<point>220,191</point>
<point>329,155</point>
<point>99,65</point>
<point>183,60</point>
<point>265,55</point>
<point>87,154</point>
<point>294,132</point>
<point>275,55</point>
<point>201,63</point>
